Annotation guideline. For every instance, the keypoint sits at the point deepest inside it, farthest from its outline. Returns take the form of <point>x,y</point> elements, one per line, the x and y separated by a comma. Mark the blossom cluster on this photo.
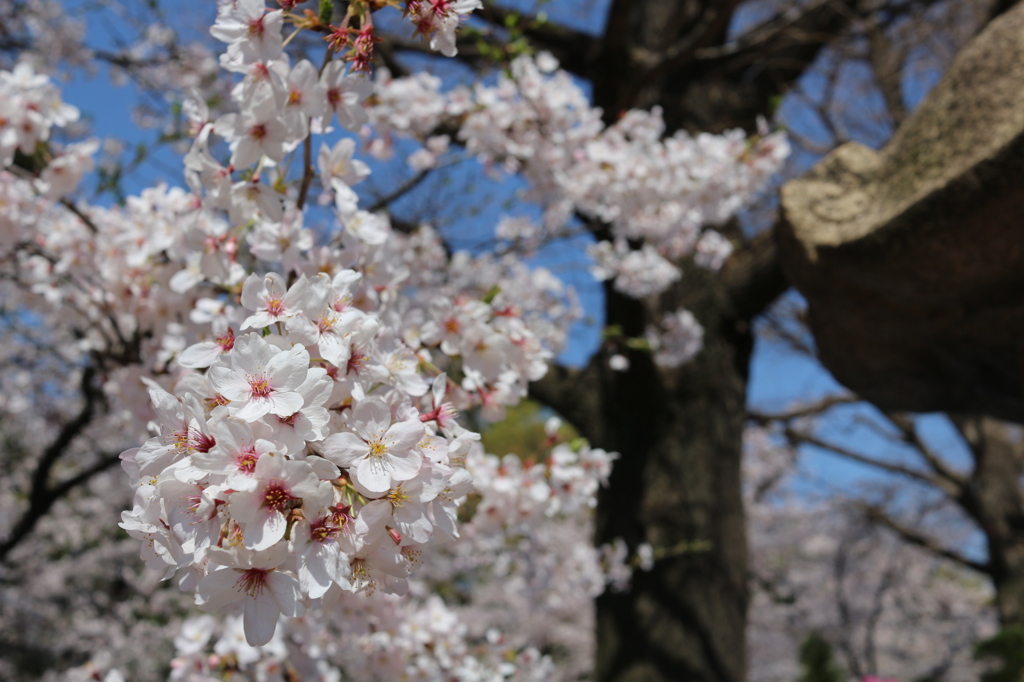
<point>356,637</point>
<point>657,195</point>
<point>312,445</point>
<point>524,572</point>
<point>302,394</point>
<point>308,442</point>
<point>650,189</point>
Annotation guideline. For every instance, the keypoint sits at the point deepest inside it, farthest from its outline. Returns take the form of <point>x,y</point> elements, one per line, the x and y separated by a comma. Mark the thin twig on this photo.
<point>876,514</point>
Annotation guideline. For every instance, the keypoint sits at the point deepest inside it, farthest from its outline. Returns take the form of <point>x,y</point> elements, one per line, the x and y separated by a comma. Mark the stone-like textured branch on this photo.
<point>908,257</point>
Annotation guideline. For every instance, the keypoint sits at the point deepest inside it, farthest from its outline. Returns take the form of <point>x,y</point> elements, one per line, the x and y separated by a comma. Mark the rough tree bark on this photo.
<point>993,498</point>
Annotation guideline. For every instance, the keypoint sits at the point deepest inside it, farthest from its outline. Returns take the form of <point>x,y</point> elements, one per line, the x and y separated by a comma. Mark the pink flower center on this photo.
<point>252,581</point>
<point>323,530</point>
<point>355,362</point>
<point>258,131</point>
<point>275,307</point>
<point>276,497</point>
<point>246,460</point>
<point>259,387</point>
<point>334,97</point>
<point>226,341</point>
<point>199,441</point>
<point>216,401</point>
<point>260,72</point>
<point>440,7</point>
<point>256,27</point>
<point>342,515</point>
<point>180,439</point>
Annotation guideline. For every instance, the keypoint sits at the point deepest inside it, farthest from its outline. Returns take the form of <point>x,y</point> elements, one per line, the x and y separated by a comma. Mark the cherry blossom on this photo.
<point>381,452</point>
<point>254,579</point>
<point>257,378</point>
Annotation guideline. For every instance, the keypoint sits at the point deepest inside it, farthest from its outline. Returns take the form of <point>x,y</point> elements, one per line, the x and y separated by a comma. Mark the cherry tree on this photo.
<point>821,567</point>
<point>302,394</point>
<point>300,349</point>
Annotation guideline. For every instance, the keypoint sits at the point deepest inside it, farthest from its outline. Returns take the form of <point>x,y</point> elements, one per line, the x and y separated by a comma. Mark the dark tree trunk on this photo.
<point>677,486</point>
<point>995,501</point>
<point>677,483</point>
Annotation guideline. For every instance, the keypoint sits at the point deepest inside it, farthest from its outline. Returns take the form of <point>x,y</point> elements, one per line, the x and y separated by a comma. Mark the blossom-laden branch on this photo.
<point>304,398</point>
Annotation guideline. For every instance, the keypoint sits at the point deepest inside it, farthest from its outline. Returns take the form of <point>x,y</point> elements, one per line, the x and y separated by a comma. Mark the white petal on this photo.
<point>344,449</point>
<point>404,466</point>
<point>260,620</point>
<point>373,473</point>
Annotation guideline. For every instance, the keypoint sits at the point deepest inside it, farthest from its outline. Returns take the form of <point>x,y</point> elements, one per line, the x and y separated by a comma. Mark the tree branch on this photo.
<point>796,436</point>
<point>878,515</point>
<point>408,186</point>
<point>574,394</point>
<point>910,435</point>
<point>41,495</point>
<point>807,410</point>
<point>576,51</point>
<point>753,276</point>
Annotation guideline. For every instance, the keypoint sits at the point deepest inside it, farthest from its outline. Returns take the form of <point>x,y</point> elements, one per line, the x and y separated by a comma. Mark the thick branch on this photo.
<point>761,37</point>
<point>41,495</point>
<point>574,394</point>
<point>575,51</point>
<point>1000,6</point>
<point>886,60</point>
<point>753,277</point>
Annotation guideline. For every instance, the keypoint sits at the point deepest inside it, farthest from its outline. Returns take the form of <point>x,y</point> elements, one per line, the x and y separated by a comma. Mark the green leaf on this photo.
<point>1006,648</point>
<point>816,658</point>
<point>638,344</point>
<point>490,295</point>
<point>326,12</point>
<point>612,331</point>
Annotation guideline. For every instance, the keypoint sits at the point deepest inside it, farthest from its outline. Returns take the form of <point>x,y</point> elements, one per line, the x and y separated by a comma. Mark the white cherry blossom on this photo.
<point>257,378</point>
<point>380,452</point>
